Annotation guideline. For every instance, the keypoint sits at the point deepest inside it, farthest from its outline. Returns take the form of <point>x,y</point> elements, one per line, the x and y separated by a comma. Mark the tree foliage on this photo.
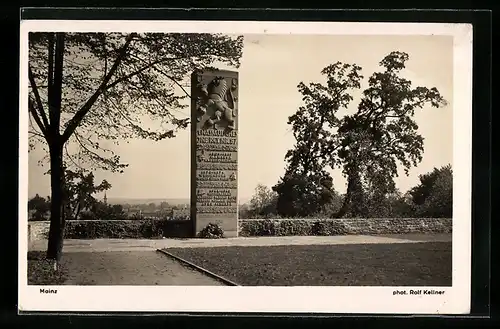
<point>302,195</point>
<point>433,197</point>
<point>101,210</point>
<point>90,87</point>
<point>368,145</point>
<point>79,192</point>
<point>40,207</point>
<point>115,85</point>
<point>263,202</point>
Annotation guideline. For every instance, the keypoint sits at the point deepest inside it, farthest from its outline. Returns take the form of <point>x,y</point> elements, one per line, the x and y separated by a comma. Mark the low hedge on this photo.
<point>293,227</point>
<point>126,229</point>
<point>158,228</point>
<point>324,227</point>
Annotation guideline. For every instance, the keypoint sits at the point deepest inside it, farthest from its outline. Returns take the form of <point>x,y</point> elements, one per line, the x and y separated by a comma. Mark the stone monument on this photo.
<point>214,150</point>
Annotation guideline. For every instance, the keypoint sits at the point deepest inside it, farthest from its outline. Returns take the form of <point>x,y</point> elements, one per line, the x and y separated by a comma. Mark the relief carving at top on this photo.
<point>217,100</point>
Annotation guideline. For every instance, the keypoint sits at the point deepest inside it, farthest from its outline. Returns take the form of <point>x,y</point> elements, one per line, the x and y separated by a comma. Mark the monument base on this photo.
<point>228,225</point>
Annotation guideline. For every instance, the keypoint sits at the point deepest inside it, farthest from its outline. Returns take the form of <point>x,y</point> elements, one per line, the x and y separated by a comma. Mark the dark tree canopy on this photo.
<point>367,145</point>
<point>301,195</point>
<point>433,197</point>
<point>40,206</point>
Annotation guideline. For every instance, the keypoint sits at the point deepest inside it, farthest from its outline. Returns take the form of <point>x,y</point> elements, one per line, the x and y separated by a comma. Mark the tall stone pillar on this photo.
<point>214,150</point>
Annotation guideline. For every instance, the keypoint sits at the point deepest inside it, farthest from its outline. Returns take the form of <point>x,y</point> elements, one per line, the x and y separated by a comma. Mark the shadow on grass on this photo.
<point>408,264</point>
<point>41,270</point>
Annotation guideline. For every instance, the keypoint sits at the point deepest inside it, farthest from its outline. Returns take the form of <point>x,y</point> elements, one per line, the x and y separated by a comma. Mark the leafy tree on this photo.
<point>383,133</point>
<point>387,206</point>
<point>313,127</point>
<point>40,207</point>
<point>89,87</point>
<point>151,206</point>
<point>79,190</point>
<point>433,197</point>
<point>164,205</point>
<point>263,202</point>
<point>369,144</point>
<point>244,211</point>
<point>101,210</point>
<point>303,195</point>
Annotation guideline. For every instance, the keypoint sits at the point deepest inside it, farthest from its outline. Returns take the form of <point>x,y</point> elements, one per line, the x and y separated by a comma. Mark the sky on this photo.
<point>271,68</point>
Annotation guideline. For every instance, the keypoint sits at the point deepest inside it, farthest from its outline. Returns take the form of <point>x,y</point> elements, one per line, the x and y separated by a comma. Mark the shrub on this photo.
<point>259,227</point>
<point>248,228</point>
<point>157,228</point>
<point>211,231</point>
<point>114,229</point>
<point>80,231</point>
<point>329,227</point>
<point>293,227</point>
<point>268,227</point>
<point>151,228</point>
<point>433,197</point>
<point>87,215</point>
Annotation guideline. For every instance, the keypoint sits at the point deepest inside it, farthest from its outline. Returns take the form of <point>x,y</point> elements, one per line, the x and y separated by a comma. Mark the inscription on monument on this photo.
<point>212,184</point>
<point>216,210</point>
<point>217,166</point>
<point>214,197</point>
<point>219,157</point>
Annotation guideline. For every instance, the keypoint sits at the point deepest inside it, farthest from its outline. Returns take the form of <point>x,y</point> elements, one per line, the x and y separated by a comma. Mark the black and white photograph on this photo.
<point>245,166</point>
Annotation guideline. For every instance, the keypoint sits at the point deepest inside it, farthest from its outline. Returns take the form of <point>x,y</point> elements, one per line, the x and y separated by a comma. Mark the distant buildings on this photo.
<point>165,212</point>
<point>138,211</point>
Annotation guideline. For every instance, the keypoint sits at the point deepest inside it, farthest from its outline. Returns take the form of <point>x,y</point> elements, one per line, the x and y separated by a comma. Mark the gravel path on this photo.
<point>101,245</point>
<point>130,268</point>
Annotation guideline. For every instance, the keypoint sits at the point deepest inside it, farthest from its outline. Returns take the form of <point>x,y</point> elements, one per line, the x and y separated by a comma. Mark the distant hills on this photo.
<point>171,201</point>
<point>133,201</point>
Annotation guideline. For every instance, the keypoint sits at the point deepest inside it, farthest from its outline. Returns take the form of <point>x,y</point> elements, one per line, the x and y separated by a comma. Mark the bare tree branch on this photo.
<point>78,117</point>
<point>68,156</point>
<point>38,99</point>
<point>33,112</point>
<point>142,69</point>
<point>85,148</point>
<point>166,75</point>
<point>36,133</point>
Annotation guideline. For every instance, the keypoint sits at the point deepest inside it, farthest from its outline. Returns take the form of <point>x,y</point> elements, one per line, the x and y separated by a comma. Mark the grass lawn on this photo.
<point>41,271</point>
<point>405,264</point>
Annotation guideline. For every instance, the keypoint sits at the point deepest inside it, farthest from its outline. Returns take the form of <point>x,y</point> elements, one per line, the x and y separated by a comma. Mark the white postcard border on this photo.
<point>455,300</point>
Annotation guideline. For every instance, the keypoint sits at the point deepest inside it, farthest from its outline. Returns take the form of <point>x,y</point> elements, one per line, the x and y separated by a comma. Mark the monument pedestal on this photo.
<point>214,151</point>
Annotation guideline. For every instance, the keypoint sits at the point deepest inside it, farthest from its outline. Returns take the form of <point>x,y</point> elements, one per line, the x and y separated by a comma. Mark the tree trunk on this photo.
<point>347,199</point>
<point>57,220</point>
<point>78,209</point>
<point>57,209</point>
<point>354,198</point>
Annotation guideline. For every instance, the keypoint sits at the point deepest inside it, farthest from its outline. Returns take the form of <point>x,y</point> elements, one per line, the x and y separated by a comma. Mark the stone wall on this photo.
<point>348,226</point>
<point>146,228</point>
<point>397,225</point>
<point>39,230</point>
